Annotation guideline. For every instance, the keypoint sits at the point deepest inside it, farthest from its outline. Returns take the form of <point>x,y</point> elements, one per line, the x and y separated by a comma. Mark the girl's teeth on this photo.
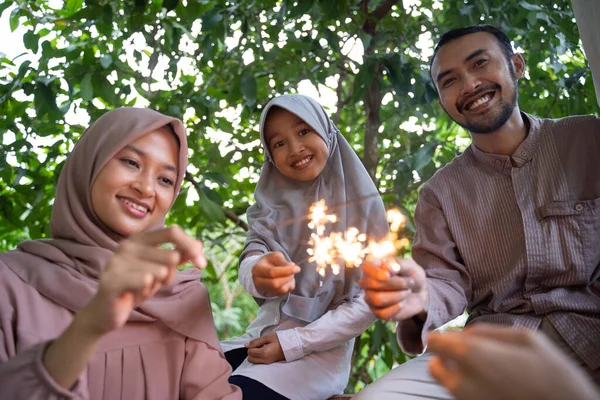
<point>302,162</point>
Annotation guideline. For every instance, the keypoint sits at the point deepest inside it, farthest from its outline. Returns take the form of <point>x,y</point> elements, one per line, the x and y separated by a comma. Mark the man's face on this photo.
<point>477,85</point>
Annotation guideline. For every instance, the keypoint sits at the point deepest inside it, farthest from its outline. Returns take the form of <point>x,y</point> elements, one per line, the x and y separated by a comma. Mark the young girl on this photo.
<point>99,311</point>
<point>305,324</point>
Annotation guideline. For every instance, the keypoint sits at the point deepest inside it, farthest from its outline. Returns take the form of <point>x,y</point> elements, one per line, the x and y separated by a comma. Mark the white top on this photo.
<point>317,355</point>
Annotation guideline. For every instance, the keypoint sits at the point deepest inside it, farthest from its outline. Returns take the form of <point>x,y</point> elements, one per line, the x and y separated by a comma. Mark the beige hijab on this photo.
<point>66,268</point>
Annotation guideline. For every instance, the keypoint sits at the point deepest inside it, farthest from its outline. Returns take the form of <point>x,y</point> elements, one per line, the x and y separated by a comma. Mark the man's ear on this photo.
<point>518,62</point>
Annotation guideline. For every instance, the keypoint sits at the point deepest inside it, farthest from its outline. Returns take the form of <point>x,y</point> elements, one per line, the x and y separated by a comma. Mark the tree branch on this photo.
<point>231,216</point>
<point>376,15</point>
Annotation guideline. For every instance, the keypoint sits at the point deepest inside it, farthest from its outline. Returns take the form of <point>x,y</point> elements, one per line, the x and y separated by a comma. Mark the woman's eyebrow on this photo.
<point>144,154</point>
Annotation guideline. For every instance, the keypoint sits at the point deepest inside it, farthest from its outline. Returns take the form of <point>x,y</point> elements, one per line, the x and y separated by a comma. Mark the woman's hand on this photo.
<point>133,274</point>
<point>136,272</point>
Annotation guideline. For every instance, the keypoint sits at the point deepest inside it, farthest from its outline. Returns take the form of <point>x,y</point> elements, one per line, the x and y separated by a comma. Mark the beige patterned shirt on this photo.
<point>514,239</point>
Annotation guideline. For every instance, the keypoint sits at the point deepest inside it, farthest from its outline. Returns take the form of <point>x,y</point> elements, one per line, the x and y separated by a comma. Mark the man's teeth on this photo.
<point>480,101</point>
<point>134,205</point>
<point>303,161</point>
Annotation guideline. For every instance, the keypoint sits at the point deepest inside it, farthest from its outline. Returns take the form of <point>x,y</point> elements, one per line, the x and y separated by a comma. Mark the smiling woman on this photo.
<point>100,311</point>
<point>137,186</point>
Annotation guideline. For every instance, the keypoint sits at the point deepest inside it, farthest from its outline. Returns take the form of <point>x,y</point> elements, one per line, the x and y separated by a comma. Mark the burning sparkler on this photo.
<point>350,248</point>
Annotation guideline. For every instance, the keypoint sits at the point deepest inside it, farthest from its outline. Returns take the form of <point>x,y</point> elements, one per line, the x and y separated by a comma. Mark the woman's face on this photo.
<point>135,189</point>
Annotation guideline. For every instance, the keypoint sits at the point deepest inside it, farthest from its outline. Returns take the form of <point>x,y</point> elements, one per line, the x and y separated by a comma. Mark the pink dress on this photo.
<point>143,360</point>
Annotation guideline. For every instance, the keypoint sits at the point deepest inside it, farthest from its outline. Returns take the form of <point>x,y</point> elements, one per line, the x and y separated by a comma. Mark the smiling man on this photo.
<point>508,231</point>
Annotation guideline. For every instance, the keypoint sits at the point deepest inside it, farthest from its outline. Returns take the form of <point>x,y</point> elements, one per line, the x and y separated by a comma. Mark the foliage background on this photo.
<point>213,63</point>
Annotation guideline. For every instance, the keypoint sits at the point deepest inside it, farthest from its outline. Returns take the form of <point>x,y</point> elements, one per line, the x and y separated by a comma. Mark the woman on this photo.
<point>100,311</point>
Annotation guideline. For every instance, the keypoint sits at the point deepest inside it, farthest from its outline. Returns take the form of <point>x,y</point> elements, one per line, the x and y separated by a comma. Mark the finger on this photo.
<point>265,271</point>
<point>277,259</point>
<point>448,377</point>
<point>140,251</point>
<point>288,287</point>
<point>385,299</point>
<point>374,272</point>
<point>412,272</point>
<point>190,248</point>
<point>387,313</point>
<point>133,284</point>
<point>136,276</point>
<point>258,342</point>
<point>393,284</point>
<point>256,360</point>
<point>448,345</point>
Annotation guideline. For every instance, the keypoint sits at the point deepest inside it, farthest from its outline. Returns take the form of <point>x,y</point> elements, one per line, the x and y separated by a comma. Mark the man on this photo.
<point>509,230</point>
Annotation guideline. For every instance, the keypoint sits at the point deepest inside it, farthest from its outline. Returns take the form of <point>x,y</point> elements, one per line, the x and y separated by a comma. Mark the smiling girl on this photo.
<point>301,342</point>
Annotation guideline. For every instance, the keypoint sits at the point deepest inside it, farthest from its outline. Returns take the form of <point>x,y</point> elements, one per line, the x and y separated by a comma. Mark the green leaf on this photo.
<point>248,88</point>
<point>86,87</point>
<point>14,19</point>
<point>423,156</point>
<point>106,61</point>
<point>31,41</point>
<point>210,20</point>
<point>170,4</point>
<point>72,6</point>
<point>212,210</point>
<point>530,7</point>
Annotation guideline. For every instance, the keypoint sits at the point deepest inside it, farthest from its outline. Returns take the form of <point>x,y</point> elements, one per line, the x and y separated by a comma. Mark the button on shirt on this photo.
<point>515,239</point>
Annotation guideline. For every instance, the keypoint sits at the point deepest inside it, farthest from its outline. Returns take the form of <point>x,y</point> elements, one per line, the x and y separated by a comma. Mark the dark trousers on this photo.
<point>251,389</point>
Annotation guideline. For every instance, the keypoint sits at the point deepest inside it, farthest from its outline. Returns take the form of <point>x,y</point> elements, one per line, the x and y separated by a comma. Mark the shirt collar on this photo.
<point>523,153</point>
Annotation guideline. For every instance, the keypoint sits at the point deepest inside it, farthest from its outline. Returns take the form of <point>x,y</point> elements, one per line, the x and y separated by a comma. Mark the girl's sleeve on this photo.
<point>334,328</point>
<point>206,374</point>
<point>24,376</point>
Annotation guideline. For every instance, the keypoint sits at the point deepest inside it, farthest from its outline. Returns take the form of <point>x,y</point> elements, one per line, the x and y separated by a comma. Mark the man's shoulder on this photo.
<point>567,124</point>
<point>451,173</point>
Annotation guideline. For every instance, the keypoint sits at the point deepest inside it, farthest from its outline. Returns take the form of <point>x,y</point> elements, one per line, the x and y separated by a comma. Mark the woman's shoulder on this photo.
<point>19,300</point>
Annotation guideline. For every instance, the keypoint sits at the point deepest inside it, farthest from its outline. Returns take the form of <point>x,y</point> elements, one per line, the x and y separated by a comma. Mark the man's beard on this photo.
<point>498,116</point>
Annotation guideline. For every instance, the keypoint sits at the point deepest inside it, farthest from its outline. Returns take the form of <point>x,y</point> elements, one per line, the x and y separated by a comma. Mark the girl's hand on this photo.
<point>265,350</point>
<point>273,275</point>
<point>136,272</point>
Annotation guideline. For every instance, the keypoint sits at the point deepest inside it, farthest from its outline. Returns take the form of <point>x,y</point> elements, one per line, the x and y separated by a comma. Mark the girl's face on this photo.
<point>298,151</point>
<point>136,188</point>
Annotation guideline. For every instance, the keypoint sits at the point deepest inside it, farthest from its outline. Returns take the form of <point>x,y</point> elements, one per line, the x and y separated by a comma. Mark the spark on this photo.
<point>352,247</point>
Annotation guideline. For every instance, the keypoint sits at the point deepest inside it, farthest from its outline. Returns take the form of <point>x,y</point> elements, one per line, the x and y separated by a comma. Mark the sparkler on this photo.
<point>352,247</point>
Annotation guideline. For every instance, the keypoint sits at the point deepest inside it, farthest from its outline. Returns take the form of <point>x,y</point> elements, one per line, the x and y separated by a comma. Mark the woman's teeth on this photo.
<point>134,205</point>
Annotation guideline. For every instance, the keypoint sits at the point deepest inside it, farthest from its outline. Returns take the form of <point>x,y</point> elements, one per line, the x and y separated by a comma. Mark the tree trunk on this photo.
<point>372,100</point>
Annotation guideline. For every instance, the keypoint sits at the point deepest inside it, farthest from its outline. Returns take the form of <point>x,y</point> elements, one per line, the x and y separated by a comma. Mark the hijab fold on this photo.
<point>66,268</point>
<point>277,220</point>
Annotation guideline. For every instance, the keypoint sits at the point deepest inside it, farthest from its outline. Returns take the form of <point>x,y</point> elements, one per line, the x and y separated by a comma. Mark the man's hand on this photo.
<point>273,275</point>
<point>395,296</point>
<point>503,363</point>
<point>265,350</point>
